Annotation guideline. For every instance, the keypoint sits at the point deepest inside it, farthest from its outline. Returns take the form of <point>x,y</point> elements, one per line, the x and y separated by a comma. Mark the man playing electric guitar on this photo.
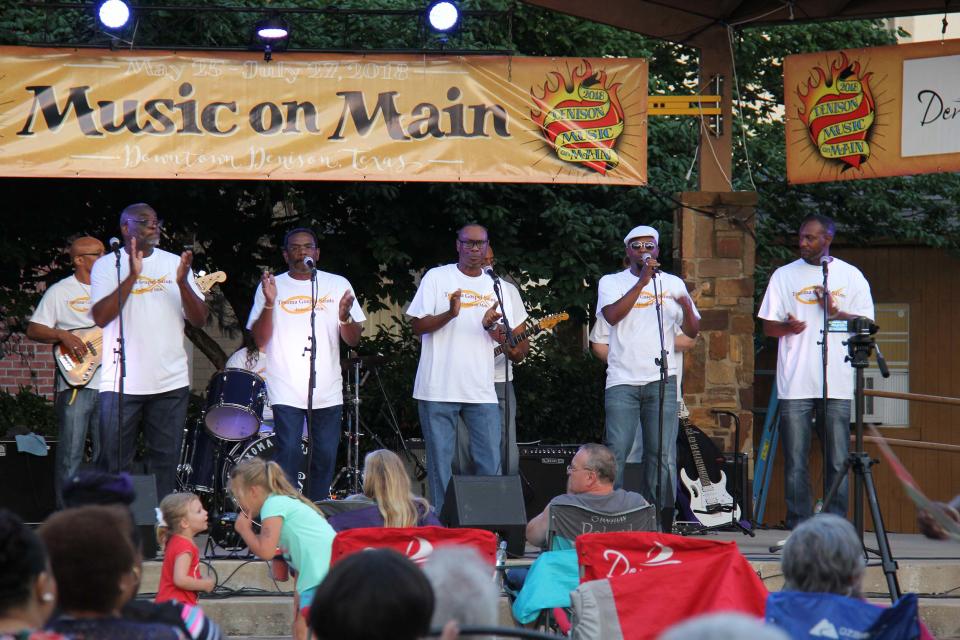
<point>65,306</point>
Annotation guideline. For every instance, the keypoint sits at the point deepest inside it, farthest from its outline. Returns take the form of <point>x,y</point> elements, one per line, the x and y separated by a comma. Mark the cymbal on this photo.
<point>366,362</point>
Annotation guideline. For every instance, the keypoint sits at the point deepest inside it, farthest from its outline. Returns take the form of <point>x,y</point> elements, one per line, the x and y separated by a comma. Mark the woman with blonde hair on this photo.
<point>386,483</point>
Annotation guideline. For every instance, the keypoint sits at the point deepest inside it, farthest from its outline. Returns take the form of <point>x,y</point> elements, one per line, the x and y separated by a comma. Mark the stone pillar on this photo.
<point>717,257</point>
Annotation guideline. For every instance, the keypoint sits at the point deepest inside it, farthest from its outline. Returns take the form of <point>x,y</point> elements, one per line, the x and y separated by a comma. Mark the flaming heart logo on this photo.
<point>838,110</point>
<point>581,118</point>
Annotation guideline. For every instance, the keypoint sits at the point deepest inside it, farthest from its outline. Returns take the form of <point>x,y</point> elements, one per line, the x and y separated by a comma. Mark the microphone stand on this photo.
<point>121,352</point>
<point>505,429</point>
<point>824,351</point>
<point>662,362</point>
<point>312,378</point>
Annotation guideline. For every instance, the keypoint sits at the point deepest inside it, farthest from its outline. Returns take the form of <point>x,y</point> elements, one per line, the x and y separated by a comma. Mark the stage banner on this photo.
<point>870,113</point>
<point>210,115</point>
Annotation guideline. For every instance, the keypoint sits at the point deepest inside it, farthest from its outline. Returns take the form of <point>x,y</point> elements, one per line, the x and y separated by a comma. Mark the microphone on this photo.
<point>309,263</point>
<point>493,275</point>
<point>645,257</point>
<point>824,261</point>
<point>115,245</point>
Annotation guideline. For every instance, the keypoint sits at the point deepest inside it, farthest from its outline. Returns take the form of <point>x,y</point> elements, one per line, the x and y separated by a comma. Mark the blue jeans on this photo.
<point>797,420</point>
<point>632,407</point>
<point>325,432</point>
<point>77,415</point>
<point>463,463</point>
<point>438,420</point>
<point>162,416</point>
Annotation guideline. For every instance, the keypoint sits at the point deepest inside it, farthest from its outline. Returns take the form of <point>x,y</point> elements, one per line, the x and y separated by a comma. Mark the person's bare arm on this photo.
<point>108,308</point>
<point>617,311</point>
<point>537,529</point>
<point>349,330</point>
<point>194,308</point>
<point>429,324</point>
<point>48,335</point>
<point>262,328</point>
<point>182,578</point>
<point>792,326</point>
<point>263,546</point>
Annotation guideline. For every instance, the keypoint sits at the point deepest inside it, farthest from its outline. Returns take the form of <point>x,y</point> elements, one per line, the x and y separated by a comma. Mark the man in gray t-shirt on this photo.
<point>590,479</point>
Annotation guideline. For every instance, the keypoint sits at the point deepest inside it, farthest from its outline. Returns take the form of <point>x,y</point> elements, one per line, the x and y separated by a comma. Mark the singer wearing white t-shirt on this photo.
<point>63,307</point>
<point>280,323</point>
<point>157,292</point>
<point>506,398</point>
<point>455,314</point>
<point>627,301</point>
<point>792,310</point>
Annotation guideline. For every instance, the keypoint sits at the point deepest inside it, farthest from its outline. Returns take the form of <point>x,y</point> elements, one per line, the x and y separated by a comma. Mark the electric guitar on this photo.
<point>78,372</point>
<point>541,325</point>
<point>710,503</point>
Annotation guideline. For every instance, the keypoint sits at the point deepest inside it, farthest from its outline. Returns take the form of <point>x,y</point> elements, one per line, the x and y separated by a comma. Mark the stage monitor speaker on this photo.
<point>494,503</point>
<point>144,514</point>
<point>738,485</point>
<point>27,481</point>
<point>418,478</point>
<point>543,472</point>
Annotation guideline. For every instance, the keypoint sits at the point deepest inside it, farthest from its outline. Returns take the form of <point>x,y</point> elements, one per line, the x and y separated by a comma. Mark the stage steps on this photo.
<point>260,607</point>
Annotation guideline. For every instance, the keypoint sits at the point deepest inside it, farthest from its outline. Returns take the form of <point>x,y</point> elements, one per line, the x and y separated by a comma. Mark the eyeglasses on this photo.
<point>305,247</point>
<point>571,468</point>
<point>473,244</point>
<point>148,222</point>
<point>636,245</point>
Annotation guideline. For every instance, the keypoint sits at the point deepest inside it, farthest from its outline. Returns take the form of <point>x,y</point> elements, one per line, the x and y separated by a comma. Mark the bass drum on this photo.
<point>264,446</point>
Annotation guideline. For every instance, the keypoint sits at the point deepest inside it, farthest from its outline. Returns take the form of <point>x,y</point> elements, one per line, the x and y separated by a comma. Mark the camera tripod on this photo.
<point>859,347</point>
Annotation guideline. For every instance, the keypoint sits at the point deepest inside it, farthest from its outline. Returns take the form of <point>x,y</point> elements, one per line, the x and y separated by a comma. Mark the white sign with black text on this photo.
<point>931,106</point>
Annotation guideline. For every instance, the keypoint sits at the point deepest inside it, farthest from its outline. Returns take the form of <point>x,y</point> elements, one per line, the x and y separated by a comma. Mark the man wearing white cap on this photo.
<point>632,399</point>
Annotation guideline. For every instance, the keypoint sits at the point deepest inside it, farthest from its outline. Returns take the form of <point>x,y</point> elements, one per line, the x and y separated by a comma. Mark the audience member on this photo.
<point>463,588</point>
<point>183,516</point>
<point>386,483</point>
<point>723,626</point>
<point>28,591</point>
<point>590,479</point>
<point>97,573</point>
<point>91,487</point>
<point>289,522</point>
<point>824,554</point>
<point>377,594</point>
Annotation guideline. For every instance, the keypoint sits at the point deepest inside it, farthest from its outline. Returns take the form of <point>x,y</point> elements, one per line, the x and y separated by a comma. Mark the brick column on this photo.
<point>717,258</point>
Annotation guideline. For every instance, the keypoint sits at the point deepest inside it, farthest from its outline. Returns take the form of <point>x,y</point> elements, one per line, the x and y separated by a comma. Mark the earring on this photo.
<point>47,597</point>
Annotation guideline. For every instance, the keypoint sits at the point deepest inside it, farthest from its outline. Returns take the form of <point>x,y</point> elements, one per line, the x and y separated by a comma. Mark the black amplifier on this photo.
<point>543,473</point>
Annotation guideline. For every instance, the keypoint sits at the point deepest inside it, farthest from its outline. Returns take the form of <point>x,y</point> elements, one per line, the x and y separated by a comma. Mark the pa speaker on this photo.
<point>494,503</point>
<point>26,481</point>
<point>144,515</point>
<point>738,485</point>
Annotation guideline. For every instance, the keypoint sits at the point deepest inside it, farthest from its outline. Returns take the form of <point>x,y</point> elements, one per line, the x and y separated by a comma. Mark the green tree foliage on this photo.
<point>557,240</point>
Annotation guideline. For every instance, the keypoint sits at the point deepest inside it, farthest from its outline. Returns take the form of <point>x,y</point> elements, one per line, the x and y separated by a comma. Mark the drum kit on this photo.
<point>230,430</point>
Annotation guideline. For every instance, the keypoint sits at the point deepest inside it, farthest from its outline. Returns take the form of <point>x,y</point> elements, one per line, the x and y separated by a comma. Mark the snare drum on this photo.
<point>234,407</point>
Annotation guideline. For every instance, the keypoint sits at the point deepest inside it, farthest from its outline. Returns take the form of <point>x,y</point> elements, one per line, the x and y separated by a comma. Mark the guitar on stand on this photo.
<point>711,504</point>
<point>79,371</point>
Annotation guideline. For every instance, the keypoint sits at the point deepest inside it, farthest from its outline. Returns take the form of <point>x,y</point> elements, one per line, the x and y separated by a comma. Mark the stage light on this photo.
<point>113,14</point>
<point>271,35</point>
<point>272,29</point>
<point>443,15</point>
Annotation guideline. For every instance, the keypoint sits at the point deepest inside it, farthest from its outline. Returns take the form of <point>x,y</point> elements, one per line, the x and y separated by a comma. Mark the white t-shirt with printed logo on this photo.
<point>791,290</point>
<point>456,361</point>
<point>286,360</point>
<point>635,340</point>
<point>66,305</point>
<point>153,324</point>
<point>512,300</point>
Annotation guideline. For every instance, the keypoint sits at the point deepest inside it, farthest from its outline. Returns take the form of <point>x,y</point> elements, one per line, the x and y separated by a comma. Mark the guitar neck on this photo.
<point>697,458</point>
<point>523,335</point>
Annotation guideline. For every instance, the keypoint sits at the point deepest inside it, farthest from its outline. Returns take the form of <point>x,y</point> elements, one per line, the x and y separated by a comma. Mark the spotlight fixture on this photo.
<point>443,15</point>
<point>113,14</point>
<point>271,35</point>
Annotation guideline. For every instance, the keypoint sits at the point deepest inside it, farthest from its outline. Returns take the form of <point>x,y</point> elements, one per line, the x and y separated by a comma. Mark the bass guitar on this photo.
<point>710,502</point>
<point>78,372</point>
<point>543,324</point>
